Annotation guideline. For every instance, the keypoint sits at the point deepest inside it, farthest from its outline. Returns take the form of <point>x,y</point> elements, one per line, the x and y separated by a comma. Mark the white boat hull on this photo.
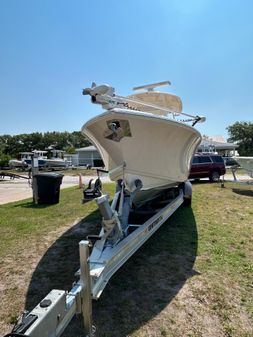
<point>55,163</point>
<point>17,163</point>
<point>155,149</point>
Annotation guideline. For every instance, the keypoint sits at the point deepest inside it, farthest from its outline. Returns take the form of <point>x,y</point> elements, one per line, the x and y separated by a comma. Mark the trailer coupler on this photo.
<point>23,323</point>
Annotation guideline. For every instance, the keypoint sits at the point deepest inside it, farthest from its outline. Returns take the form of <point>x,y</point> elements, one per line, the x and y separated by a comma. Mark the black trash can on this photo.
<point>48,187</point>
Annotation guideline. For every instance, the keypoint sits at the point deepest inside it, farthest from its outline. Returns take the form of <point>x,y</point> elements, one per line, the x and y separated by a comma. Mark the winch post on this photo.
<point>86,287</point>
<point>104,207</point>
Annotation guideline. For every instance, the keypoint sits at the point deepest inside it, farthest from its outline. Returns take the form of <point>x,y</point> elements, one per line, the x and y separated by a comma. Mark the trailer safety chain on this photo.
<point>93,331</point>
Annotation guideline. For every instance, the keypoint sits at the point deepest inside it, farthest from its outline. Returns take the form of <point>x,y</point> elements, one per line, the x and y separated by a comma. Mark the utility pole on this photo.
<point>35,170</point>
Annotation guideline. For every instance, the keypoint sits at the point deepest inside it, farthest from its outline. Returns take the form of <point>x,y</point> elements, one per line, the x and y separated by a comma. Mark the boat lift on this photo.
<point>124,231</point>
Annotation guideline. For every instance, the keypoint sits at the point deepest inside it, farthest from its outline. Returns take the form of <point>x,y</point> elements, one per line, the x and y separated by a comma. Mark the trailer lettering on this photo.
<point>154,223</point>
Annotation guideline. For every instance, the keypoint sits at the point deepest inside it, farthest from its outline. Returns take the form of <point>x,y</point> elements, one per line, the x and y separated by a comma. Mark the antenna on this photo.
<point>151,87</point>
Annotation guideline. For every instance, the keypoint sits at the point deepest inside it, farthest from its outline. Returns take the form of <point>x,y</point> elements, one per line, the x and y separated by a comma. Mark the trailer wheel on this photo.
<point>187,189</point>
<point>187,201</point>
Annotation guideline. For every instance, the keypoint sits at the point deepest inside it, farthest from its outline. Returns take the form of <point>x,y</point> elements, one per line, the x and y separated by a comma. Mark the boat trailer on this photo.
<point>12,176</point>
<point>234,169</point>
<point>125,228</point>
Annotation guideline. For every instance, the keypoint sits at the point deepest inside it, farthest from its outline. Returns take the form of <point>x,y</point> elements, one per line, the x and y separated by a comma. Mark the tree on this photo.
<point>13,145</point>
<point>70,150</point>
<point>78,140</point>
<point>241,133</point>
<point>4,159</point>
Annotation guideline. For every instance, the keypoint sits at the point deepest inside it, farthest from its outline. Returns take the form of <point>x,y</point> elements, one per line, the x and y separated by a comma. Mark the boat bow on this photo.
<point>142,144</point>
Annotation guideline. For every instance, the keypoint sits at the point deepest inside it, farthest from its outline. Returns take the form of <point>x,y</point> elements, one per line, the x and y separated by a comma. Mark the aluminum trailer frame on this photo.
<point>53,314</point>
<point>243,182</point>
<point>103,267</point>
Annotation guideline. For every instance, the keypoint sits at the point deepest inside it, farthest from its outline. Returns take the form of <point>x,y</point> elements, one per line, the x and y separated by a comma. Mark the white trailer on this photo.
<point>124,230</point>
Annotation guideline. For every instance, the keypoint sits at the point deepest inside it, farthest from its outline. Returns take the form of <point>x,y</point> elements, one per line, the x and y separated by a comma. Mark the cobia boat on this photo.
<point>149,155</point>
<point>141,137</point>
<point>246,163</point>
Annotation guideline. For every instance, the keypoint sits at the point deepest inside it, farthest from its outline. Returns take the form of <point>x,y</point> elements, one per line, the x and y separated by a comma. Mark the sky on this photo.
<point>51,50</point>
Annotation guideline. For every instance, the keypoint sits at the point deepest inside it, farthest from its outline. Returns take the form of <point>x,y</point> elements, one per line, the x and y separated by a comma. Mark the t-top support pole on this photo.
<point>86,287</point>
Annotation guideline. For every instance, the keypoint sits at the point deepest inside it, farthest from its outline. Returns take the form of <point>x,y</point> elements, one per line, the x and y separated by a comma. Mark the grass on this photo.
<point>21,221</point>
<point>192,278</point>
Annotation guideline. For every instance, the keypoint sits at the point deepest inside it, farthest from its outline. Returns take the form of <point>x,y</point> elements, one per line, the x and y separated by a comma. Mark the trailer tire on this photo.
<point>187,189</point>
<point>187,201</point>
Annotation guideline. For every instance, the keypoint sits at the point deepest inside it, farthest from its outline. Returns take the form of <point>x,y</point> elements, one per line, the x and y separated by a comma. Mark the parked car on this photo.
<point>210,166</point>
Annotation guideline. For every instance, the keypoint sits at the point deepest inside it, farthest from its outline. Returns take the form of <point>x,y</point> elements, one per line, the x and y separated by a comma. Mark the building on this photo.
<point>87,156</point>
<point>71,159</point>
<point>217,144</point>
